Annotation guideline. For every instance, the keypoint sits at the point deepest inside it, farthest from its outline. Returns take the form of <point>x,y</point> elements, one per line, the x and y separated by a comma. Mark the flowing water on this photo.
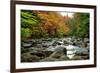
<point>74,47</point>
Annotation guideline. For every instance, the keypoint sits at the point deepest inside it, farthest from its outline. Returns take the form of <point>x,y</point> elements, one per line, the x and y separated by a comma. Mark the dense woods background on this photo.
<point>43,24</point>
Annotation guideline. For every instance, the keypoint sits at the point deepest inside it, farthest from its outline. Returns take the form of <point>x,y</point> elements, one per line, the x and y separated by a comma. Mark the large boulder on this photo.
<point>27,57</point>
<point>58,52</point>
<point>61,49</point>
<point>39,54</point>
<point>56,55</point>
<point>62,58</point>
<point>47,53</point>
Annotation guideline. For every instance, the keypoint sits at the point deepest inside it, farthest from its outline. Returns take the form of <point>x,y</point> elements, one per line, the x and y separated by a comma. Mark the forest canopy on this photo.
<point>45,24</point>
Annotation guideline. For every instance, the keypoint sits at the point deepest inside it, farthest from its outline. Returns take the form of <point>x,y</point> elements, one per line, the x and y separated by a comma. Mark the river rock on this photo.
<point>27,57</point>
<point>39,54</point>
<point>76,57</point>
<point>26,45</point>
<point>58,52</point>
<point>38,46</point>
<point>86,40</point>
<point>61,49</point>
<point>47,53</point>
<point>64,58</point>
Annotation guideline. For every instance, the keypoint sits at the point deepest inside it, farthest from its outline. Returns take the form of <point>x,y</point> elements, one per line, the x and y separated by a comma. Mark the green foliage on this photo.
<point>84,25</point>
<point>29,19</point>
<point>60,33</point>
<point>72,25</point>
<point>26,32</point>
<point>29,22</point>
<point>38,33</point>
<point>79,25</point>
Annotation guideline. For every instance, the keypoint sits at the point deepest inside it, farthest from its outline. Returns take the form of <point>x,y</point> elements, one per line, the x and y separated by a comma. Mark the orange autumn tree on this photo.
<point>53,23</point>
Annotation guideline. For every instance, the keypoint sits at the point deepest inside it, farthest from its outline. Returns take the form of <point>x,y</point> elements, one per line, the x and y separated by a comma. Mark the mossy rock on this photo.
<point>26,57</point>
<point>64,58</point>
<point>76,58</point>
<point>56,55</point>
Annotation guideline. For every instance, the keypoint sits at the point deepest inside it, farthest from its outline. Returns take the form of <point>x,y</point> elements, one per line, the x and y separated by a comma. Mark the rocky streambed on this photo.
<point>54,49</point>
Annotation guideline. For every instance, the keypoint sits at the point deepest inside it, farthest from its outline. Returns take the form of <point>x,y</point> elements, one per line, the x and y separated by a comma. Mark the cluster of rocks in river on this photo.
<point>54,49</point>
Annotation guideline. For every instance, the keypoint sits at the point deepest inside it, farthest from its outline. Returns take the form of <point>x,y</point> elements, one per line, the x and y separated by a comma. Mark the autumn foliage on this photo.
<point>45,24</point>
